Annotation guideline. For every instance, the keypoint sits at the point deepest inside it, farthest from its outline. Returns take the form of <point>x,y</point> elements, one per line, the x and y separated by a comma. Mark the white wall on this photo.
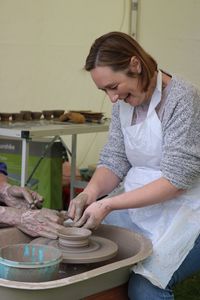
<point>170,31</point>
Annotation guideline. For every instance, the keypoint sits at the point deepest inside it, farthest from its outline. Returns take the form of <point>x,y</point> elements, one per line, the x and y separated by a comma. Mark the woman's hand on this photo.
<point>77,206</point>
<point>19,197</point>
<point>94,214</point>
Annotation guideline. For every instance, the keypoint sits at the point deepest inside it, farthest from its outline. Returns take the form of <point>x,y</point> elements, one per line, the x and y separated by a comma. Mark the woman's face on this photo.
<point>118,86</point>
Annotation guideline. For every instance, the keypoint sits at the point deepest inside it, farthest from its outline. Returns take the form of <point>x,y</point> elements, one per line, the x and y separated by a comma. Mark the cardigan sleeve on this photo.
<point>180,162</point>
<point>113,155</point>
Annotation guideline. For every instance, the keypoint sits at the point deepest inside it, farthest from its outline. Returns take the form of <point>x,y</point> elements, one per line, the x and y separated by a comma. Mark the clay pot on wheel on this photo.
<point>74,237</point>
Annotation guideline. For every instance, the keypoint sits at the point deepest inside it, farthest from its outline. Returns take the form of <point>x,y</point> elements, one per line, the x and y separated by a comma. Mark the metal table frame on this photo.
<point>31,131</point>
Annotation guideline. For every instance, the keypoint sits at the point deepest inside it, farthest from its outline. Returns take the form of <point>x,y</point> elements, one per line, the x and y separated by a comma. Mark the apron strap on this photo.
<point>156,97</point>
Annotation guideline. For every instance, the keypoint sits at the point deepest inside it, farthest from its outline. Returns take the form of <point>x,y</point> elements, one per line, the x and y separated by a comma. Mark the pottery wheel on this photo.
<point>98,249</point>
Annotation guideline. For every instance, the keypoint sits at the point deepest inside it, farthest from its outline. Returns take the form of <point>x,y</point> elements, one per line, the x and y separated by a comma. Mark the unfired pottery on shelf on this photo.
<point>48,114</point>
<point>26,115</point>
<point>57,113</point>
<point>17,117</point>
<point>36,115</point>
<point>5,116</point>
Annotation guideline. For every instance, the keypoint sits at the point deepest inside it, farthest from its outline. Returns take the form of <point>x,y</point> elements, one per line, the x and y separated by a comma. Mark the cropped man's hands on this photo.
<point>41,222</point>
<point>19,197</point>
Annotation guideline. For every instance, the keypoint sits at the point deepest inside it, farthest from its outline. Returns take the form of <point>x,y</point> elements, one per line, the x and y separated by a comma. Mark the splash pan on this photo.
<point>132,248</point>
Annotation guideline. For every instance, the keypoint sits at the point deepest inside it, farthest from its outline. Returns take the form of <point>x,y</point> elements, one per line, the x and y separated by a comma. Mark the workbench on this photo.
<point>32,130</point>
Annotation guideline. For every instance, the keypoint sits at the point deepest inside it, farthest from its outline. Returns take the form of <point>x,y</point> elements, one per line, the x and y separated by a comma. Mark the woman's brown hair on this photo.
<point>115,50</point>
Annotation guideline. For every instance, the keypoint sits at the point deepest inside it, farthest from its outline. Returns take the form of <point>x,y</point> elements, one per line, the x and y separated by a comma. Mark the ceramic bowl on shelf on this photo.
<point>36,115</point>
<point>48,114</point>
<point>57,113</point>
<point>26,115</point>
<point>17,116</point>
<point>5,116</point>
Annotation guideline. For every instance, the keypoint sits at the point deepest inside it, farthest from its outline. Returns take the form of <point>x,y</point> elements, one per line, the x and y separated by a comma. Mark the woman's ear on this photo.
<point>135,65</point>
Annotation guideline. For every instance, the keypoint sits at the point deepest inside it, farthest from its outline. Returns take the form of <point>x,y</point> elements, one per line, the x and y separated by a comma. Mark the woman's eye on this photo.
<point>113,87</point>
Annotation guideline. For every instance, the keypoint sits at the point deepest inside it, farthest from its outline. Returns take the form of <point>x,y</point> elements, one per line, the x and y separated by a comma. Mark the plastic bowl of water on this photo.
<point>29,263</point>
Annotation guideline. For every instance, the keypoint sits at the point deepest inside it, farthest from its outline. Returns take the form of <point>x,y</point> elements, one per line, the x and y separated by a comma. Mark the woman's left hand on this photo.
<point>93,215</point>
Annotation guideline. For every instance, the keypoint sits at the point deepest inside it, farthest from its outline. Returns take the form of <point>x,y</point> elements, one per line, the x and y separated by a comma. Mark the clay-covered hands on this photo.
<point>39,222</point>
<point>19,197</point>
<point>22,211</point>
<point>93,215</point>
<point>77,206</point>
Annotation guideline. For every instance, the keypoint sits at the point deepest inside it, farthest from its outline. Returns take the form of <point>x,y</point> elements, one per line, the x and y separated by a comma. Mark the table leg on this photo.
<point>24,164</point>
<point>73,166</point>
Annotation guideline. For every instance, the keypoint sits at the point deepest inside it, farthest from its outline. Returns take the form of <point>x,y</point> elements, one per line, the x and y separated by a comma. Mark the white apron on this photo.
<point>172,226</point>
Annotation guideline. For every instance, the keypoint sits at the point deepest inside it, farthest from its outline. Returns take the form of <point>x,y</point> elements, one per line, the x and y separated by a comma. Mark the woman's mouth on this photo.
<point>126,98</point>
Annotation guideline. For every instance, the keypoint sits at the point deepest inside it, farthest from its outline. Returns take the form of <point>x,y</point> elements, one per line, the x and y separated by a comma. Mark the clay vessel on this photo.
<point>36,115</point>
<point>26,115</point>
<point>17,116</point>
<point>74,237</point>
<point>5,116</point>
<point>58,113</point>
<point>48,114</point>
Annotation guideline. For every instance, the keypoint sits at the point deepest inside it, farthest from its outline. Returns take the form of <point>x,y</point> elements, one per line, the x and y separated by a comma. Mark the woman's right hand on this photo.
<point>77,206</point>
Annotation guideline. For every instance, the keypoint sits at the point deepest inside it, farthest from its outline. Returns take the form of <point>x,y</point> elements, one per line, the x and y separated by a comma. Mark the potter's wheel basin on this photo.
<point>132,248</point>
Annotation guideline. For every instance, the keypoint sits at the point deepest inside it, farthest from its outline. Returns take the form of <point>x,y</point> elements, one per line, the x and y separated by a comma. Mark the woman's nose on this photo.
<point>113,96</point>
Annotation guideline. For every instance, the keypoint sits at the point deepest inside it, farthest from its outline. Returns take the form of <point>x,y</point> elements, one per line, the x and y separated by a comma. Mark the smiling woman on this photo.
<point>118,85</point>
<point>153,148</point>
<point>123,69</point>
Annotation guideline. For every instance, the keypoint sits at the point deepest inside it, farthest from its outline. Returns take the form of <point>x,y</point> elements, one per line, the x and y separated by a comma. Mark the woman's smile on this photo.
<point>118,86</point>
